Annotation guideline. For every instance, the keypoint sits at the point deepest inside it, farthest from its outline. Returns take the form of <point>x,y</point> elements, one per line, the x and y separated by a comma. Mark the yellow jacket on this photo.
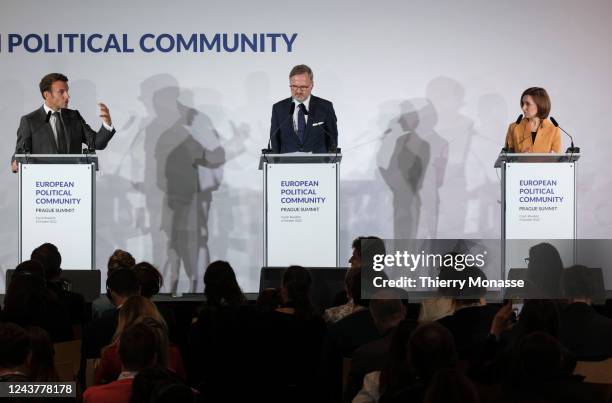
<point>548,139</point>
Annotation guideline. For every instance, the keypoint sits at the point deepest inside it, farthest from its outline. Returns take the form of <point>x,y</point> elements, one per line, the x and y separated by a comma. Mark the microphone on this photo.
<point>571,149</point>
<point>274,132</point>
<point>511,150</point>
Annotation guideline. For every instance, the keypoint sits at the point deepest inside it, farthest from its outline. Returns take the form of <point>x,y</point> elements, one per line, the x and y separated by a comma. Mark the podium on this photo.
<point>57,201</point>
<point>538,205</point>
<point>301,209</point>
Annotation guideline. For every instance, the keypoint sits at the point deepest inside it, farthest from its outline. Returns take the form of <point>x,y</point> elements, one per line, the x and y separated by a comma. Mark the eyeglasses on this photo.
<point>299,87</point>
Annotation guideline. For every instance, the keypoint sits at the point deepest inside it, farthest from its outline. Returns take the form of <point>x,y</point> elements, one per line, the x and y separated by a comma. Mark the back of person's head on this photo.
<point>133,310</point>
<point>27,297</point>
<point>150,279</point>
<point>31,268</point>
<point>123,282</point>
<point>14,345</point>
<point>544,271</point>
<point>470,293</point>
<point>430,349</point>
<point>137,347</point>
<point>368,246</point>
<point>42,363</point>
<point>581,282</point>
<point>396,372</point>
<point>387,309</point>
<point>156,384</point>
<point>451,386</point>
<point>51,259</point>
<point>539,315</point>
<point>539,357</point>
<point>296,290</point>
<point>120,259</point>
<point>161,335</point>
<point>221,286</point>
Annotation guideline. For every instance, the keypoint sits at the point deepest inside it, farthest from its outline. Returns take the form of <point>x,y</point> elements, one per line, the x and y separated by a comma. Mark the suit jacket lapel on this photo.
<point>46,129</point>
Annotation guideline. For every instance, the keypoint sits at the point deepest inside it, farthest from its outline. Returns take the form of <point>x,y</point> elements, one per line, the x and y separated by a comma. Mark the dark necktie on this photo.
<point>61,137</point>
<point>301,122</point>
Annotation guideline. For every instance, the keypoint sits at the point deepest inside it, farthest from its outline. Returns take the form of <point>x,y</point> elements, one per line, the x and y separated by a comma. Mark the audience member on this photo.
<point>41,365</point>
<point>51,259</point>
<point>451,386</point>
<point>150,282</point>
<point>336,313</point>
<point>584,331</point>
<point>14,352</point>
<point>138,309</point>
<point>137,350</point>
<point>221,336</point>
<point>289,342</point>
<point>29,303</point>
<point>158,385</point>
<point>120,285</point>
<point>388,312</point>
<point>430,349</point>
<point>120,259</point>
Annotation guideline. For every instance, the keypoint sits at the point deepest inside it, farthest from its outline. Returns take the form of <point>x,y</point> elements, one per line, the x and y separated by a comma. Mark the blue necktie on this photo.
<point>301,122</point>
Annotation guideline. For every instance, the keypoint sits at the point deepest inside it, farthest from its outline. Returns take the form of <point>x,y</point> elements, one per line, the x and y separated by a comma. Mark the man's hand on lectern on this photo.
<point>14,166</point>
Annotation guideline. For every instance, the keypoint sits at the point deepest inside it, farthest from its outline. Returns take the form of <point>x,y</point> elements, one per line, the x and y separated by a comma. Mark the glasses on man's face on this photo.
<point>299,87</point>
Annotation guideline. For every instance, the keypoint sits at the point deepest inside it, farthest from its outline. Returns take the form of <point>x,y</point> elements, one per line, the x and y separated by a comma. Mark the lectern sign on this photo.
<point>56,206</point>
<point>540,201</point>
<point>301,214</point>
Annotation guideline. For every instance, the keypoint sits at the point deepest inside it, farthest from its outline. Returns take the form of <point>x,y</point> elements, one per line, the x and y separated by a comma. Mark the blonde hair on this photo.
<point>134,310</point>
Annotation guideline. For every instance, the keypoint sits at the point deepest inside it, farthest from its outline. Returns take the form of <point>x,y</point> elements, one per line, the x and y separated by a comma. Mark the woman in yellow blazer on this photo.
<point>535,133</point>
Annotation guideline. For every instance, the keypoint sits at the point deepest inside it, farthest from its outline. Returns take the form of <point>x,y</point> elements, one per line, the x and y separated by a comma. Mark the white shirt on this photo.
<point>297,109</point>
<point>53,118</point>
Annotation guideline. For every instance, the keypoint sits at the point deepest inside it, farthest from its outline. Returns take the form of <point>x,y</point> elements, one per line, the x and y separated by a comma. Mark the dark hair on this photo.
<point>540,357</point>
<point>396,373</point>
<point>123,282</point>
<point>540,98</point>
<point>301,69</point>
<point>221,286</point>
<point>120,259</point>
<point>296,281</point>
<point>159,385</point>
<point>47,81</point>
<point>386,306</point>
<point>431,348</point>
<point>368,245</point>
<point>353,286</point>
<point>14,345</point>
<point>42,364</point>
<point>450,385</point>
<point>268,300</point>
<point>137,347</point>
<point>51,259</point>
<point>149,279</point>
<point>27,299</point>
<point>544,271</point>
<point>31,268</point>
<point>470,293</point>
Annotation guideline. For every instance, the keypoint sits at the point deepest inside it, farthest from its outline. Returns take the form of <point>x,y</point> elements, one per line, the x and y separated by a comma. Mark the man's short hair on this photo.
<point>48,80</point>
<point>368,245</point>
<point>137,347</point>
<point>14,345</point>
<point>123,282</point>
<point>120,259</point>
<point>51,259</point>
<point>386,306</point>
<point>301,69</point>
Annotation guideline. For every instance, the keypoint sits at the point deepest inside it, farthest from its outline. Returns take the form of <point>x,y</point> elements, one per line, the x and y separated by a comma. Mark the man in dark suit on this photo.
<point>303,122</point>
<point>54,129</point>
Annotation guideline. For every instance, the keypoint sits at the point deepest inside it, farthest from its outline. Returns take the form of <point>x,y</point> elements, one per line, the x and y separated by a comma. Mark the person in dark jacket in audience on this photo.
<point>28,302</point>
<point>584,331</point>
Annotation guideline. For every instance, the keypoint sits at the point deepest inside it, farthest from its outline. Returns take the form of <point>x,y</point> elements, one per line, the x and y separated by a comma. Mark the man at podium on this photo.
<point>303,122</point>
<point>55,129</point>
<point>535,133</point>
